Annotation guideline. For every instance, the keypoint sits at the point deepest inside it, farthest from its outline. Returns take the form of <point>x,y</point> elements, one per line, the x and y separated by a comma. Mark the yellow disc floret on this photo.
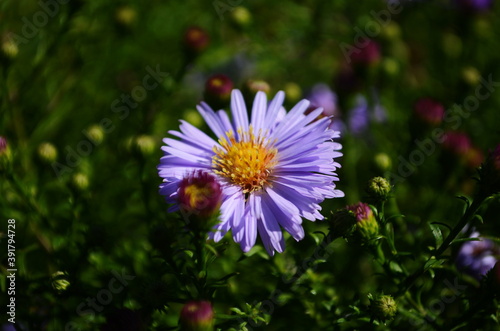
<point>247,163</point>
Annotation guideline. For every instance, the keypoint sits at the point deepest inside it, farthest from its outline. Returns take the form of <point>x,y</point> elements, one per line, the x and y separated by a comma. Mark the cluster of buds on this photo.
<point>367,228</point>
<point>197,316</point>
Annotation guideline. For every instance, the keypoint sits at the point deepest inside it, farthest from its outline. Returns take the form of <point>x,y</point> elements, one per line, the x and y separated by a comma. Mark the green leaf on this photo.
<point>462,240</point>
<point>436,232</point>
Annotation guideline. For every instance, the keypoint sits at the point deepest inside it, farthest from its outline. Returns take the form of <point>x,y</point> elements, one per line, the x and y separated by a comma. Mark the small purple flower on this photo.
<point>321,96</point>
<point>477,257</point>
<point>359,116</point>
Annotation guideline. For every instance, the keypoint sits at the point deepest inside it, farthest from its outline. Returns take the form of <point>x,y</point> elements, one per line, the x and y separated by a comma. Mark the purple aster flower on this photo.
<point>477,257</point>
<point>272,172</point>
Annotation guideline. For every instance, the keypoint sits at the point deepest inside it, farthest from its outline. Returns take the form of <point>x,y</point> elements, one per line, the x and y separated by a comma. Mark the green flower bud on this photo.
<point>293,92</point>
<point>9,48</point>
<point>471,76</point>
<point>80,181</point>
<point>378,189</point>
<point>96,133</point>
<point>383,307</point>
<point>240,17</point>
<point>145,145</point>
<point>383,162</point>
<point>193,117</point>
<point>47,152</point>
<point>59,281</point>
<point>251,88</point>
<point>126,15</point>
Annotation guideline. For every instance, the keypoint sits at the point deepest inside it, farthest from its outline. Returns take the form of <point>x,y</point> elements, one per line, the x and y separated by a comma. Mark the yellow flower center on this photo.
<point>198,195</point>
<point>247,163</point>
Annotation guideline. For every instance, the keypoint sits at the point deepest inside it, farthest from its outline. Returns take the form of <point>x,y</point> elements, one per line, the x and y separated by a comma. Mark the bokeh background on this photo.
<point>84,123</point>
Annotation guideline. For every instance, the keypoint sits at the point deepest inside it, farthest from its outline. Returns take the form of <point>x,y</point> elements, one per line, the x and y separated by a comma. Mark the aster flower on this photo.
<point>272,171</point>
<point>321,96</point>
<point>477,257</point>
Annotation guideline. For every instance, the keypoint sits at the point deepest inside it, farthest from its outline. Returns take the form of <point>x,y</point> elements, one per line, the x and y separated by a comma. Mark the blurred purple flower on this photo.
<point>321,96</point>
<point>359,118</point>
<point>477,257</point>
<point>429,111</point>
<point>475,5</point>
<point>366,54</point>
<point>457,143</point>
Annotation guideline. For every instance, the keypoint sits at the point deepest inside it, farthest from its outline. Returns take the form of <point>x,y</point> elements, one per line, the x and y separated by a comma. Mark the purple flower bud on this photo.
<point>361,210</point>
<point>196,40</point>
<point>457,143</point>
<point>200,194</point>
<point>218,90</point>
<point>366,54</point>
<point>429,111</point>
<point>197,316</point>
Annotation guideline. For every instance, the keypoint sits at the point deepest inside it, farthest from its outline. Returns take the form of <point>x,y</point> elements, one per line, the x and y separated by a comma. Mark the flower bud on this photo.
<point>429,111</point>
<point>9,48</point>
<point>95,133</point>
<point>218,90</point>
<point>378,189</point>
<point>145,145</point>
<point>471,76</point>
<point>126,15</point>
<point>457,143</point>
<point>193,117</point>
<point>383,162</point>
<point>200,194</point>
<point>80,181</point>
<point>59,281</point>
<point>240,17</point>
<point>383,308</point>
<point>342,222</point>
<point>367,55</point>
<point>196,40</point>
<point>367,227</point>
<point>293,92</point>
<point>47,152</point>
<point>251,87</point>
<point>197,316</point>
<point>3,145</point>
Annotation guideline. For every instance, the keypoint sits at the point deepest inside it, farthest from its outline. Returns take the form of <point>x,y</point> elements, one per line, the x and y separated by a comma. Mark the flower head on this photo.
<point>200,193</point>
<point>273,171</point>
<point>217,90</point>
<point>429,111</point>
<point>197,316</point>
<point>477,257</point>
<point>366,55</point>
<point>196,39</point>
